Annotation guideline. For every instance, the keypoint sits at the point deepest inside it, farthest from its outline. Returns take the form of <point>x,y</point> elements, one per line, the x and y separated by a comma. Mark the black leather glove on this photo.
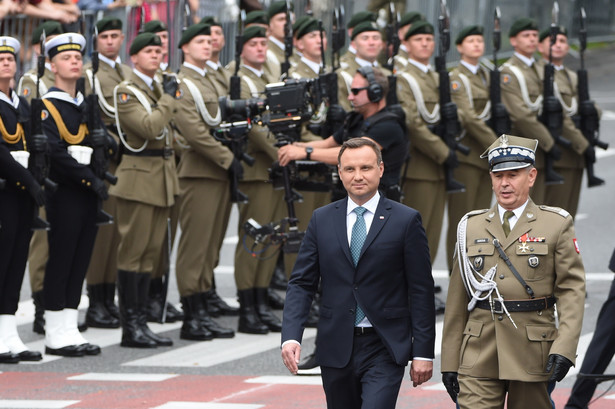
<point>451,162</point>
<point>169,85</point>
<point>448,111</point>
<point>37,193</point>
<point>37,143</point>
<point>449,379</point>
<point>98,138</point>
<point>336,113</point>
<point>555,153</point>
<point>98,186</point>
<point>560,365</point>
<point>590,155</point>
<point>236,169</point>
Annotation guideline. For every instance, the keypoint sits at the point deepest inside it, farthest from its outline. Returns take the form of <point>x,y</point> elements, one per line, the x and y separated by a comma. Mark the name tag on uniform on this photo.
<point>481,241</point>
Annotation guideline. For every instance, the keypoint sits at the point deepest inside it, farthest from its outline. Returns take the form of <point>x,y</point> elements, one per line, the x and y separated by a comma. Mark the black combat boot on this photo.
<point>192,329</point>
<point>216,306</point>
<point>110,300</point>
<point>207,322</point>
<point>143,291</point>
<point>38,325</point>
<point>249,322</point>
<point>264,312</point>
<point>156,301</point>
<point>132,335</point>
<point>97,315</point>
<point>278,280</point>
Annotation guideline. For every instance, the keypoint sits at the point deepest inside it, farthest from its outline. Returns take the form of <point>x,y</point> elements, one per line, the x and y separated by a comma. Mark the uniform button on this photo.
<point>89,183</point>
<point>501,276</point>
<point>356,287</point>
<point>82,180</point>
<point>500,318</point>
<point>480,250</point>
<point>544,335</point>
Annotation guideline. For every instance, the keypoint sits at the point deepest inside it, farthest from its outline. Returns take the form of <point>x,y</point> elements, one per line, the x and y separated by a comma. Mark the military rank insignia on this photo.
<point>123,98</point>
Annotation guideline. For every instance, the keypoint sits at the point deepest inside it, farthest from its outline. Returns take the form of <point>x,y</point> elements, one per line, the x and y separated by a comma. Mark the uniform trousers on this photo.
<point>37,256</point>
<point>567,194</point>
<point>16,215</point>
<point>71,212</point>
<point>163,264</point>
<point>477,196</point>
<point>142,229</point>
<point>485,393</point>
<point>265,205</point>
<point>429,199</point>
<point>203,215</point>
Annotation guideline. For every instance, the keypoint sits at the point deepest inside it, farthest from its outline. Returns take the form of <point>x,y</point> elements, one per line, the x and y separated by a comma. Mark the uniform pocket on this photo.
<point>540,339</point>
<point>536,256</point>
<point>471,344</point>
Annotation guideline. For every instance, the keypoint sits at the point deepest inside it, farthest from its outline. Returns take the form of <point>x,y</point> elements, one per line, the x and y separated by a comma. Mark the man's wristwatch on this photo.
<point>308,152</point>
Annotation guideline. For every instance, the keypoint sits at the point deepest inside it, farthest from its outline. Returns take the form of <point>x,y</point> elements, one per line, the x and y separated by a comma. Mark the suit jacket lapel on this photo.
<point>380,218</point>
<point>340,228</point>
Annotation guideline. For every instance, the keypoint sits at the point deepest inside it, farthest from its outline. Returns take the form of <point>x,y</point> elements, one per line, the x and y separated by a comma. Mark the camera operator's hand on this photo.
<point>289,153</point>
<point>37,143</point>
<point>336,113</point>
<point>236,169</point>
<point>169,84</point>
<point>590,155</point>
<point>98,186</point>
<point>451,161</point>
<point>555,153</point>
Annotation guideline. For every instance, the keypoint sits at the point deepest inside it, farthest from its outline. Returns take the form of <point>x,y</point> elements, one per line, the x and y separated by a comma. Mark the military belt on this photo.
<point>165,153</point>
<point>536,304</point>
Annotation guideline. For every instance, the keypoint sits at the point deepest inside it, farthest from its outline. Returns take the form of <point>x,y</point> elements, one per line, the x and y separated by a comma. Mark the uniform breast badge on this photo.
<point>533,261</point>
<point>524,248</point>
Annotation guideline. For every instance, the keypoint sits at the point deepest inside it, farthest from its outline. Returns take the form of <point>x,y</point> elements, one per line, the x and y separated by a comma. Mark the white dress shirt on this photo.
<point>518,213</point>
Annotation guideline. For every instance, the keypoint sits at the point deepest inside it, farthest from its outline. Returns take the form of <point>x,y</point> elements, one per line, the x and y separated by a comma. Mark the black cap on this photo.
<point>307,27</point>
<point>522,24</point>
<point>276,7</point>
<point>363,27</point>
<point>420,27</point>
<point>50,28</point>
<point>361,17</point>
<point>154,26</point>
<point>108,23</point>
<point>210,20</point>
<point>253,32</point>
<point>143,40</point>
<point>547,32</point>
<point>193,31</point>
<point>469,31</point>
<point>410,17</point>
<point>257,17</point>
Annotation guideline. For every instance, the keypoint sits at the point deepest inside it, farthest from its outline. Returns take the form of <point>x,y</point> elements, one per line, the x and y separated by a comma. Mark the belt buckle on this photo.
<point>495,308</point>
<point>167,152</point>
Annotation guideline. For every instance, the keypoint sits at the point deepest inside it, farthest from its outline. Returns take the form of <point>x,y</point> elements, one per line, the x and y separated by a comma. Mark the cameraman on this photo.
<point>371,119</point>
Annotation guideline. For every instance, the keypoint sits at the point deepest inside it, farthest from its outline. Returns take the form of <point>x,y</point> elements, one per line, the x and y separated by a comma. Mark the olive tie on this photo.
<point>359,233</point>
<point>506,223</point>
<point>118,69</point>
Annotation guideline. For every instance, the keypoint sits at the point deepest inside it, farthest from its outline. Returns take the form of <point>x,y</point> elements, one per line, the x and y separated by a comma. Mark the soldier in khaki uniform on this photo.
<point>220,74</point>
<point>102,272</point>
<point>204,182</point>
<point>253,274</point>
<point>147,184</point>
<point>356,19</point>
<point>572,163</point>
<point>276,48</point>
<point>39,251</point>
<point>401,58</point>
<point>501,338</point>
<point>470,92</point>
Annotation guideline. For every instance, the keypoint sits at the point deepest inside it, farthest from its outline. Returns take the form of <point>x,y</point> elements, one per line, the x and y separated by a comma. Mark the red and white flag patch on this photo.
<point>576,245</point>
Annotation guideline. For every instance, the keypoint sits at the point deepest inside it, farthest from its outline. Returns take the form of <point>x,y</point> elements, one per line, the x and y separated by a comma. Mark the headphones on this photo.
<point>374,90</point>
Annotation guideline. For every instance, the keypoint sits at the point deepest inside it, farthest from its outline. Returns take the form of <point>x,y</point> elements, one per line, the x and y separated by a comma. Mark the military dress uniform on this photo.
<point>146,190</point>
<point>500,332</point>
<point>470,92</point>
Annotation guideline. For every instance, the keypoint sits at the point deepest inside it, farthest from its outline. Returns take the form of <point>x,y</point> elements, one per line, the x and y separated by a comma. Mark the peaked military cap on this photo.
<point>364,27</point>
<point>510,152</point>
<point>253,32</point>
<point>420,27</point>
<point>257,17</point>
<point>307,27</point>
<point>193,31</point>
<point>522,24</point>
<point>469,31</point>
<point>211,20</point>
<point>65,42</point>
<point>361,17</point>
<point>410,18</point>
<point>108,23</point>
<point>547,32</point>
<point>143,40</point>
<point>276,7</point>
<point>9,45</point>
<point>51,28</point>
<point>154,26</point>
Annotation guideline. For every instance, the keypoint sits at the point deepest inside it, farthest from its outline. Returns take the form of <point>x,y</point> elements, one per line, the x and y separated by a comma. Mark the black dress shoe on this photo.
<point>30,356</point>
<point>9,358</point>
<point>90,349</point>
<point>216,306</point>
<point>67,351</point>
<point>308,363</point>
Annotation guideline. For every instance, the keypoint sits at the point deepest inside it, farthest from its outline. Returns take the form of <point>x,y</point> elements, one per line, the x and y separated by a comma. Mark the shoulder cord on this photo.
<point>535,106</point>
<point>347,79</point>
<point>571,109</point>
<point>42,88</point>
<point>474,288</point>
<point>251,86</point>
<point>429,117</point>
<point>200,104</point>
<point>13,138</point>
<point>486,114</point>
<point>106,108</point>
<point>62,130</point>
<point>143,100</point>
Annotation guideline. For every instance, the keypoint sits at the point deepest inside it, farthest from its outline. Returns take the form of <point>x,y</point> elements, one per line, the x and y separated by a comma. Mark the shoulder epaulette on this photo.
<point>554,209</point>
<point>476,212</point>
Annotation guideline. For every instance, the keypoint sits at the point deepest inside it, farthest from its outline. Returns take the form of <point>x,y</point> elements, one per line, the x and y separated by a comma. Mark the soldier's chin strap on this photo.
<point>469,275</point>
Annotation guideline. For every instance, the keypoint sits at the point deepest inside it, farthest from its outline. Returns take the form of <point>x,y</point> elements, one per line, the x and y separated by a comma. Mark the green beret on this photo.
<point>307,27</point>
<point>360,17</point>
<point>154,26</point>
<point>143,40</point>
<point>363,27</point>
<point>276,7</point>
<point>253,32</point>
<point>522,24</point>
<point>299,22</point>
<point>193,31</point>
<point>547,32</point>
<point>50,28</point>
<point>210,20</point>
<point>257,17</point>
<point>420,27</point>
<point>469,31</point>
<point>410,17</point>
<point>108,23</point>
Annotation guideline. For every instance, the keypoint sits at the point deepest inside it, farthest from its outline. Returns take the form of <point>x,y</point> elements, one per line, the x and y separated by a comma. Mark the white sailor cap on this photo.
<point>9,45</point>
<point>65,42</point>
<point>510,152</point>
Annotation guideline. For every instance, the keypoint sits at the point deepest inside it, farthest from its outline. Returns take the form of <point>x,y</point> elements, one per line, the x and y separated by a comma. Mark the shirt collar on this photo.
<point>195,68</point>
<point>259,73</point>
<point>403,48</point>
<point>148,80</point>
<point>12,100</point>
<point>352,50</point>
<point>364,63</point>
<point>109,61</point>
<point>526,61</point>
<point>213,65</point>
<point>314,66</point>
<point>48,66</point>
<point>518,211</point>
<point>277,42</point>
<point>164,66</point>
<point>473,68</point>
<point>371,205</point>
<point>420,66</point>
<point>57,93</point>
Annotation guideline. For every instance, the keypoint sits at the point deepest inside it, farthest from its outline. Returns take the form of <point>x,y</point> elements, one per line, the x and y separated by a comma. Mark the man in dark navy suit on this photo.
<point>377,310</point>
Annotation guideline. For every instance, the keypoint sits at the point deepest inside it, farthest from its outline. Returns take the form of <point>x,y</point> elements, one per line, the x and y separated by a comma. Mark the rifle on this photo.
<point>235,82</point>
<point>449,127</point>
<point>39,159</point>
<point>590,123</point>
<point>100,141</point>
<point>393,40</point>
<point>552,113</point>
<point>338,37</point>
<point>500,120</point>
<point>288,42</point>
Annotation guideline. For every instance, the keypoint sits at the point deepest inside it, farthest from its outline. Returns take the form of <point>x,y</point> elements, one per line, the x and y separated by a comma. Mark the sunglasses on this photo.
<point>355,91</point>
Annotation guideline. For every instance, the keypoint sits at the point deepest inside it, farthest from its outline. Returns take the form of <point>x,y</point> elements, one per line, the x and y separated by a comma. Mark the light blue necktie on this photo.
<point>359,233</point>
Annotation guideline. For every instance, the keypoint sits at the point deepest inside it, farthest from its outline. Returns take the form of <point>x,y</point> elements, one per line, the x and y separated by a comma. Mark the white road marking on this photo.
<point>601,153</point>
<point>122,377</point>
<point>287,380</point>
<point>207,405</point>
<point>36,404</point>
